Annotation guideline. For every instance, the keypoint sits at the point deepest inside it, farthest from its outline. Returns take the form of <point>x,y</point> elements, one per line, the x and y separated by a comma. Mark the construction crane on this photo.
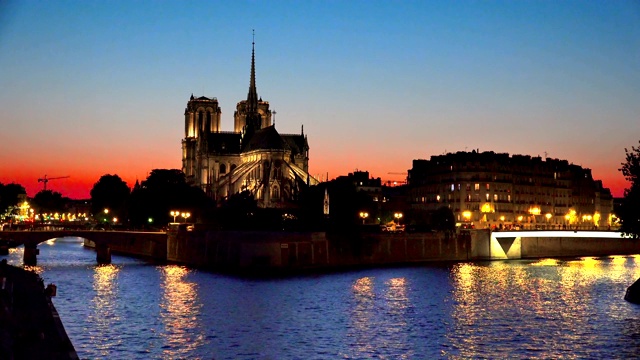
<point>45,180</point>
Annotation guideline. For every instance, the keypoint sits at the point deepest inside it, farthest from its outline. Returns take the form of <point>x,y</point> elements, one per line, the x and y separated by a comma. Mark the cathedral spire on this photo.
<point>252,97</point>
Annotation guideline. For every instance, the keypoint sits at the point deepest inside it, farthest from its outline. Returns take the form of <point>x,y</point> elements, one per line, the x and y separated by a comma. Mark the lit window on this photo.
<point>438,198</point>
<point>453,187</point>
<point>476,186</point>
<point>487,196</point>
<point>487,186</point>
<point>495,197</point>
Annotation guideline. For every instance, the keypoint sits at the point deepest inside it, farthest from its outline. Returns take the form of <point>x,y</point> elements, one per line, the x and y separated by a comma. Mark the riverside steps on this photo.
<point>30,327</point>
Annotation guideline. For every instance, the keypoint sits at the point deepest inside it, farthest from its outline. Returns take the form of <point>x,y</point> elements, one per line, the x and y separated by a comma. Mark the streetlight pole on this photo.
<point>364,215</point>
<point>185,216</point>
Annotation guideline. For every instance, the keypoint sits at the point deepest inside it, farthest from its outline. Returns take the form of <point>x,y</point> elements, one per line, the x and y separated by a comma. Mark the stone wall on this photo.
<point>239,250</point>
<point>537,247</point>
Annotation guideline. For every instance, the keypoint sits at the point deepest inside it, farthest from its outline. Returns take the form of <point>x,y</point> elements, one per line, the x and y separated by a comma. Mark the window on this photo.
<point>223,169</point>
<point>487,196</point>
<point>453,187</point>
<point>275,193</point>
<point>476,187</point>
<point>487,186</point>
<point>509,198</point>
<point>495,197</point>
<point>438,198</point>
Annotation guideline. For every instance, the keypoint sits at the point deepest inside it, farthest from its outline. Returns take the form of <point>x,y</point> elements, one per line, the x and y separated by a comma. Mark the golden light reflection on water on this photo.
<point>362,314</point>
<point>545,262</point>
<point>554,300</point>
<point>378,317</point>
<point>181,310</point>
<point>397,304</point>
<point>36,269</point>
<point>104,302</point>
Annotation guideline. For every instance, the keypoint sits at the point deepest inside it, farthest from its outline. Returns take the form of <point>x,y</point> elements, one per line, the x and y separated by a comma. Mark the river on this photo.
<point>547,308</point>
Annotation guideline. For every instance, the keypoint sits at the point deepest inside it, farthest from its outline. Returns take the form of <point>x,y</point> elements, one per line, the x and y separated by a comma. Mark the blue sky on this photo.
<point>96,87</point>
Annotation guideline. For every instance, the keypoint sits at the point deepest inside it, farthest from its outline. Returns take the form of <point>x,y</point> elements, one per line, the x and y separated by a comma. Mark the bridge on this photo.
<point>133,242</point>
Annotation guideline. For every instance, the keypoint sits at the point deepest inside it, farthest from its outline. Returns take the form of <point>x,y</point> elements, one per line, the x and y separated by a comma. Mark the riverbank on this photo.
<point>30,327</point>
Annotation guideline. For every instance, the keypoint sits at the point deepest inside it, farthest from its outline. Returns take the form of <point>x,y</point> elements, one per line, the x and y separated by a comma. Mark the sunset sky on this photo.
<point>89,88</point>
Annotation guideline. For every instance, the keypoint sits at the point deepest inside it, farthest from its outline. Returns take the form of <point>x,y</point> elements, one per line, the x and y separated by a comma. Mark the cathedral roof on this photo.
<point>266,139</point>
<point>297,143</point>
<point>224,143</point>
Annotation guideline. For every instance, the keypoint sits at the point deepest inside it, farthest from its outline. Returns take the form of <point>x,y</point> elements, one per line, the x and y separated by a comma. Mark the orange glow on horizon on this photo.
<point>84,172</point>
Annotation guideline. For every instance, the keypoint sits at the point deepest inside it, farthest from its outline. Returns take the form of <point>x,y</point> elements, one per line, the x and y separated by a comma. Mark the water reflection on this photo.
<point>180,312</point>
<point>379,316</point>
<point>362,315</point>
<point>546,308</point>
<point>105,302</point>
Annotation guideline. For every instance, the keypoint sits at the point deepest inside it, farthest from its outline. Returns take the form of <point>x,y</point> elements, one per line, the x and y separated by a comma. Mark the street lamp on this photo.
<point>185,216</point>
<point>548,216</point>
<point>364,215</point>
<point>398,216</point>
<point>174,213</point>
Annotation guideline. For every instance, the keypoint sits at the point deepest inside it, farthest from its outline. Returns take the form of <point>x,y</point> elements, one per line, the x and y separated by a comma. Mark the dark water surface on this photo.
<point>511,309</point>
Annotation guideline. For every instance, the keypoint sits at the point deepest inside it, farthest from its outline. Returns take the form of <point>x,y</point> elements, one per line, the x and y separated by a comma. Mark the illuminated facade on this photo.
<point>253,157</point>
<point>497,190</point>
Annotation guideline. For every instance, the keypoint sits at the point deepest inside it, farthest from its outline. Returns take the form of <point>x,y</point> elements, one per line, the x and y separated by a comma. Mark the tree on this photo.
<point>10,195</point>
<point>112,193</point>
<point>443,219</point>
<point>47,201</point>
<point>629,211</point>
<point>163,191</point>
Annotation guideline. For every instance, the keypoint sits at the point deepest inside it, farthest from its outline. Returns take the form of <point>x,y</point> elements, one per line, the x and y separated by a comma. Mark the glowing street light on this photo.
<point>185,216</point>
<point>398,216</point>
<point>174,213</point>
<point>364,215</point>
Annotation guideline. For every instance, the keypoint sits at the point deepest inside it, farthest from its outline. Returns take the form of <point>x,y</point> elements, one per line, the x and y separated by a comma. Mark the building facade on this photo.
<point>253,157</point>
<point>495,190</point>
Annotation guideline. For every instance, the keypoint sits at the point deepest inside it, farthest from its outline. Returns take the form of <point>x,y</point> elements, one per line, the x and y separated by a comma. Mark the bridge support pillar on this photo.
<point>103,254</point>
<point>30,254</point>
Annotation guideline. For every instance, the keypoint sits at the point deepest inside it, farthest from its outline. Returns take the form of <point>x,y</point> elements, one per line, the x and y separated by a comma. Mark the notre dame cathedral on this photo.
<point>254,156</point>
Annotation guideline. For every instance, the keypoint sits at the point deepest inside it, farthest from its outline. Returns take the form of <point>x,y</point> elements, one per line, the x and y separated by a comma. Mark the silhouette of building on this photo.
<point>497,190</point>
<point>253,157</point>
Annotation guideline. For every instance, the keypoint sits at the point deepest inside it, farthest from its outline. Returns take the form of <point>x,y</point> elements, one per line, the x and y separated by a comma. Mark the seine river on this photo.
<point>511,309</point>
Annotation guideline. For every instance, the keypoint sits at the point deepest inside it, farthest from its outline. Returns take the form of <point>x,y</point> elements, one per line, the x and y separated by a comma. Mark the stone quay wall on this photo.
<point>540,247</point>
<point>30,327</point>
<point>247,250</point>
<point>136,243</point>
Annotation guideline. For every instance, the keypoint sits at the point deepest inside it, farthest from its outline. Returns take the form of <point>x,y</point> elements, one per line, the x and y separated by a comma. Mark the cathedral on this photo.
<point>254,156</point>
